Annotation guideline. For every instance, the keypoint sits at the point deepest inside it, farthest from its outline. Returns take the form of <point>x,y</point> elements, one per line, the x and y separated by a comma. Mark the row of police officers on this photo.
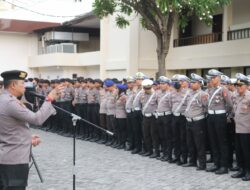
<point>176,116</point>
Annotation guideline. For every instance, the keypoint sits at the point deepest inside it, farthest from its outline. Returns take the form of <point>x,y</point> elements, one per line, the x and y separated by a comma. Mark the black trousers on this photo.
<point>79,124</point>
<point>111,124</point>
<point>91,117</point>
<point>67,120</point>
<point>196,137</point>
<point>130,134</point>
<point>137,129</point>
<point>121,125</point>
<point>59,117</point>
<point>151,135</point>
<point>165,134</point>
<point>179,137</point>
<point>218,135</point>
<point>231,141</point>
<point>243,150</point>
<point>14,177</point>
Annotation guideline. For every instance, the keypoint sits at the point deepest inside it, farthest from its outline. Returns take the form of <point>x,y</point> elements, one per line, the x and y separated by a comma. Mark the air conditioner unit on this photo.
<point>61,48</point>
<point>66,48</point>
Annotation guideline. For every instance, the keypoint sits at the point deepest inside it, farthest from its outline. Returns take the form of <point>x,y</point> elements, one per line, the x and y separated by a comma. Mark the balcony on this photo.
<point>238,34</point>
<point>65,59</point>
<point>200,39</point>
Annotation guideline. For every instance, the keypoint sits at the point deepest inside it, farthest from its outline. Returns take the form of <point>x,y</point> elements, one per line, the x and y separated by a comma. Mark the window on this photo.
<point>204,72</point>
<point>226,71</point>
<point>189,72</point>
<point>246,70</point>
<point>74,76</point>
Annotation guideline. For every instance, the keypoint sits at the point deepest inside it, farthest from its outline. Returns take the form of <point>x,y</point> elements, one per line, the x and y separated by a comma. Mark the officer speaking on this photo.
<point>15,136</point>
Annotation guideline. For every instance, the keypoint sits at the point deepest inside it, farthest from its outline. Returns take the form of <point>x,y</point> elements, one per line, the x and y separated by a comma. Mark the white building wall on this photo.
<point>241,12</point>
<point>15,49</point>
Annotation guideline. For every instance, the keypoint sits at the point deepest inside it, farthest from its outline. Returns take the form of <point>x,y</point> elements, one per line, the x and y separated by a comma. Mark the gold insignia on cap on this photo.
<point>22,75</point>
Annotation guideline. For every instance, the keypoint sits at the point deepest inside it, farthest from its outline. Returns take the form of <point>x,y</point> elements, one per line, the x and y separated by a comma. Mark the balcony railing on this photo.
<point>201,39</point>
<point>238,34</point>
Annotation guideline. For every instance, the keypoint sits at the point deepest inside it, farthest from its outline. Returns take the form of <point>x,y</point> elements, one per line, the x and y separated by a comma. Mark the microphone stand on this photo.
<point>36,166</point>
<point>75,118</point>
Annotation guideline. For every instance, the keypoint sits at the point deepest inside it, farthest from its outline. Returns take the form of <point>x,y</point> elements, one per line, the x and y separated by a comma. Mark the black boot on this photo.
<point>190,165</point>
<point>222,170</point>
<point>212,168</point>
<point>156,154</point>
<point>147,154</point>
<point>241,173</point>
<point>247,176</point>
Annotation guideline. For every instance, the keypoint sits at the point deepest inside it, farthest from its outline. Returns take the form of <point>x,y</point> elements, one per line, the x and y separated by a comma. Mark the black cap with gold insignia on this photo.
<point>14,75</point>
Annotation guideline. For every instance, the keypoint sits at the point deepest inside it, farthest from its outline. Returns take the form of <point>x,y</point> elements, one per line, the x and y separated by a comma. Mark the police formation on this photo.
<point>177,120</point>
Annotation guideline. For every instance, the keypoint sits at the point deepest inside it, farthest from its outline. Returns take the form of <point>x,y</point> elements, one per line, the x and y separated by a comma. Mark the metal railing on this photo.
<point>201,39</point>
<point>238,34</point>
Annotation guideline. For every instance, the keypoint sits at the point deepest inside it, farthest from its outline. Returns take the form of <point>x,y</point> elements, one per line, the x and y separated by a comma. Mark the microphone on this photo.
<point>30,95</point>
<point>37,94</point>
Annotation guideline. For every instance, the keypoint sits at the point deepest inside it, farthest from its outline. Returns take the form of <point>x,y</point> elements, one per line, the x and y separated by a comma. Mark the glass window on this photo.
<point>246,70</point>
<point>204,72</point>
<point>189,72</point>
<point>226,71</point>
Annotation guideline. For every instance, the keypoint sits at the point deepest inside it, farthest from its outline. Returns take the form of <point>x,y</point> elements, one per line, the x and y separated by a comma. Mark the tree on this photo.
<point>159,16</point>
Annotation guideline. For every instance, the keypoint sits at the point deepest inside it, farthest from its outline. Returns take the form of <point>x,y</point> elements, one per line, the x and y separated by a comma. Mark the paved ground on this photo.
<point>103,168</point>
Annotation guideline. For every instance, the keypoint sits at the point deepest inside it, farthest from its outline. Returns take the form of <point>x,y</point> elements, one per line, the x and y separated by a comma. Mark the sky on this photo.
<point>60,10</point>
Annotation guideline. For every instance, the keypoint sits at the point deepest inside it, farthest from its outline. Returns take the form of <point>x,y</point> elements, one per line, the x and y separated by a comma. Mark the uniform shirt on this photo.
<point>136,101</point>
<point>80,96</point>
<point>92,96</point>
<point>218,101</point>
<point>103,101</point>
<point>67,94</point>
<point>148,104</point>
<point>15,135</point>
<point>177,99</point>
<point>111,101</point>
<point>120,111</point>
<point>83,95</point>
<point>242,113</point>
<point>97,95</point>
<point>77,95</point>
<point>130,99</point>
<point>196,103</point>
<point>164,101</point>
<point>230,111</point>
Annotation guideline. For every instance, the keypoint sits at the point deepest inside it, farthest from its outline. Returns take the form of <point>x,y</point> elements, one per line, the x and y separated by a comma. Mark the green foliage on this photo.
<point>121,21</point>
<point>103,8</point>
<point>184,9</point>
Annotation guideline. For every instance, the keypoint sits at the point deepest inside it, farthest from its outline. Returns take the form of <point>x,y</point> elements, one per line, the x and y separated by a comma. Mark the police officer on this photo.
<point>178,101</point>
<point>103,93</point>
<point>164,118</point>
<point>121,116</point>
<point>129,110</point>
<point>196,123</point>
<point>111,100</point>
<point>77,103</point>
<point>148,100</point>
<point>137,123</point>
<point>16,139</point>
<point>242,121</point>
<point>218,103</point>
<point>67,97</point>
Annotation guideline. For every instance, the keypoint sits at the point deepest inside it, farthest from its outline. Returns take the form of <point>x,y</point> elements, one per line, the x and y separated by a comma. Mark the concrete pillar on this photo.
<point>227,21</point>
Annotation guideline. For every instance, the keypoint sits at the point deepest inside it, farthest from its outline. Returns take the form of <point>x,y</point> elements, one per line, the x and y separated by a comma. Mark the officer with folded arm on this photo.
<point>15,136</point>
